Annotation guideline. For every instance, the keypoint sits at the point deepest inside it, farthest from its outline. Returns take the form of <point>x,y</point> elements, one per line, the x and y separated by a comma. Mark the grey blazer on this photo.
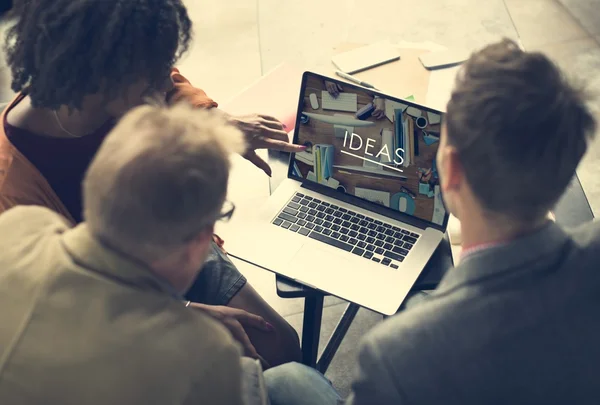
<point>514,324</point>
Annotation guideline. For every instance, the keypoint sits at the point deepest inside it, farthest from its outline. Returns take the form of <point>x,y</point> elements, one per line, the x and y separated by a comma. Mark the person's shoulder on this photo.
<point>418,332</point>
<point>26,217</point>
<point>28,233</point>
<point>29,220</point>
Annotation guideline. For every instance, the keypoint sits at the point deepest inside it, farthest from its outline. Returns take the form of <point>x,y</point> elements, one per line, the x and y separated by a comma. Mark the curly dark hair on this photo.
<point>62,50</point>
<point>5,6</point>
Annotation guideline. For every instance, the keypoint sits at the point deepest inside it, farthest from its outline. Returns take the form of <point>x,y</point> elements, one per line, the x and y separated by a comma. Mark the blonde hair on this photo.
<point>159,179</point>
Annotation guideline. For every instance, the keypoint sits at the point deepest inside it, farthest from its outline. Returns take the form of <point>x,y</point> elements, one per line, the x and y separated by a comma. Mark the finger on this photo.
<point>239,334</point>
<point>340,88</point>
<point>271,133</point>
<point>258,162</point>
<point>282,146</point>
<point>273,125</point>
<point>254,321</point>
<point>270,118</point>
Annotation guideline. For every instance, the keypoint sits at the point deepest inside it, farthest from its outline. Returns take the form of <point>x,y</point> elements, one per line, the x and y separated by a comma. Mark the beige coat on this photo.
<point>81,324</point>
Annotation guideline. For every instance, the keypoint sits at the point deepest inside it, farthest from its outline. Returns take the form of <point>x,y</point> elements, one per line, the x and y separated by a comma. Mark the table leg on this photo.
<point>336,338</point>
<point>311,328</point>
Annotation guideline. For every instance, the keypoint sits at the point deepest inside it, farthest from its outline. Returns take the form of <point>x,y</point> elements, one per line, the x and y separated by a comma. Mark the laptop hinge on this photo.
<point>387,212</point>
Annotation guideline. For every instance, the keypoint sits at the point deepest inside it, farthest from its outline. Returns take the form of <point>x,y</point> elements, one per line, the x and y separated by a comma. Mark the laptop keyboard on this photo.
<point>346,230</point>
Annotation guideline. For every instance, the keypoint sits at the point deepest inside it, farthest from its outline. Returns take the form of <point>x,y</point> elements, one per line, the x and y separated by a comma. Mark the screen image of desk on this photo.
<point>376,148</point>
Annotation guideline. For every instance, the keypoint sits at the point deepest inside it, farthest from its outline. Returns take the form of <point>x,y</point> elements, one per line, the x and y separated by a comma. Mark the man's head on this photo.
<point>119,50</point>
<point>157,186</point>
<point>514,133</point>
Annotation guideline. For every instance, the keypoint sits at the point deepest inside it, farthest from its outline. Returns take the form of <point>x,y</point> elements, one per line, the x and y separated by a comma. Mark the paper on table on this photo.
<point>333,183</point>
<point>376,196</point>
<point>441,83</point>
<point>387,139</point>
<point>394,78</point>
<point>275,94</point>
<point>414,112</point>
<point>305,157</point>
<point>433,118</point>
<point>343,102</point>
<point>390,106</point>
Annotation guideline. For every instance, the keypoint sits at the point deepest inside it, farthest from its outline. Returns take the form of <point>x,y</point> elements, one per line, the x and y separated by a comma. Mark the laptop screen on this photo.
<point>373,147</point>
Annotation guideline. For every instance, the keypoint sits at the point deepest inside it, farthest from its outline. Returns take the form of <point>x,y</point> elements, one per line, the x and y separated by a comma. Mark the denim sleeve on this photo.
<point>219,280</point>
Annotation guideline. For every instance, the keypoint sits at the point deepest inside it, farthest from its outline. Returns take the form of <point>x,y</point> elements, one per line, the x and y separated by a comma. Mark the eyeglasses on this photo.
<point>227,211</point>
<point>225,215</point>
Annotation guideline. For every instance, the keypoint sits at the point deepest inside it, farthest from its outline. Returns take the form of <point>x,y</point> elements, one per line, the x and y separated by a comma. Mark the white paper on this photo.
<point>441,83</point>
<point>414,112</point>
<point>333,183</point>
<point>391,107</point>
<point>305,157</point>
<point>387,138</point>
<point>376,196</point>
<point>433,118</point>
<point>340,130</point>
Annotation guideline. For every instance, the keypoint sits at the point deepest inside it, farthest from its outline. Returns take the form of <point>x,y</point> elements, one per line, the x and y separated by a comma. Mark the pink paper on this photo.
<point>275,94</point>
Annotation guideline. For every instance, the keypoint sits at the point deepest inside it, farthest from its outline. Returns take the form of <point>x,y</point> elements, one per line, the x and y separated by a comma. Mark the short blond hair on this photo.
<point>159,179</point>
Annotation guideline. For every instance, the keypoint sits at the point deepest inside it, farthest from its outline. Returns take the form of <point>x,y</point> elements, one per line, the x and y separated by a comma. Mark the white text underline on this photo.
<point>372,161</point>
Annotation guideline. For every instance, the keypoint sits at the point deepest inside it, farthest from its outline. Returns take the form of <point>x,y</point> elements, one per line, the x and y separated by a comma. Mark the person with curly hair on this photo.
<point>77,67</point>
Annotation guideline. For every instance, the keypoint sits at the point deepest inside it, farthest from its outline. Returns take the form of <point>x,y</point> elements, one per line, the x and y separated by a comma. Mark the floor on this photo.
<point>239,40</point>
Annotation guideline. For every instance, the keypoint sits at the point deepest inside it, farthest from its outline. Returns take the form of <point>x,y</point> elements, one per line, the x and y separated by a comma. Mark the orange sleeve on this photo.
<point>184,91</point>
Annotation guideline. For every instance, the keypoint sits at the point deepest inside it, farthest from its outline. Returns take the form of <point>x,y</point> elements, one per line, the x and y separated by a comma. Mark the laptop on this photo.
<point>360,212</point>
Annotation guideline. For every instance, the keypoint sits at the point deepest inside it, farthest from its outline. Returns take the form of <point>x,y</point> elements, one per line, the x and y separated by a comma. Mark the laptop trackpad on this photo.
<point>320,268</point>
